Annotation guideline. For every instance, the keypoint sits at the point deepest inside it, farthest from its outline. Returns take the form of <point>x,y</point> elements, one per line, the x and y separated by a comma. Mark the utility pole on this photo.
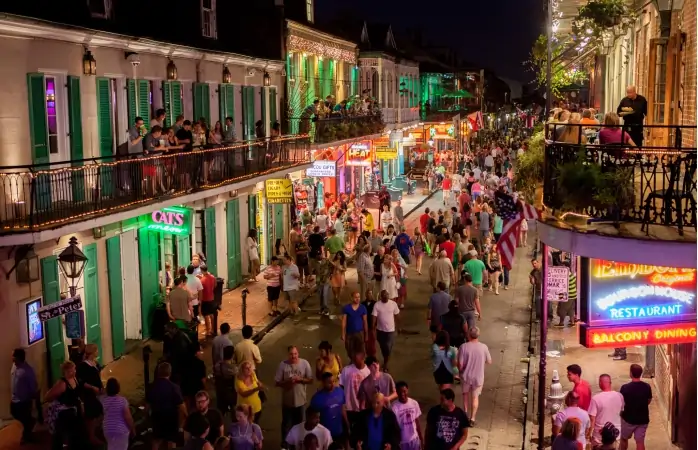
<point>549,66</point>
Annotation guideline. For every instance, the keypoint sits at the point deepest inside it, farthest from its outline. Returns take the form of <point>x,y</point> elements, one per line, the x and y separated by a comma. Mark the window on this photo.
<point>100,9</point>
<point>309,10</point>
<point>208,19</point>
<point>51,115</point>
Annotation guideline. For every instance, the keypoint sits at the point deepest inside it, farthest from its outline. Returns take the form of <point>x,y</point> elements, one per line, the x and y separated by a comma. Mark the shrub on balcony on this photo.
<point>530,167</point>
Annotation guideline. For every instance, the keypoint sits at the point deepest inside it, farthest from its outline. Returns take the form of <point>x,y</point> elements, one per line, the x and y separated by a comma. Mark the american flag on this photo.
<point>512,213</point>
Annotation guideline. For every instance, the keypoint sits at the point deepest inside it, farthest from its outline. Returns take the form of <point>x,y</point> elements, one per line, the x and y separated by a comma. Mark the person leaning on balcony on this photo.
<point>135,137</point>
<point>229,133</point>
<point>572,133</point>
<point>611,133</point>
<point>633,109</point>
<point>159,119</point>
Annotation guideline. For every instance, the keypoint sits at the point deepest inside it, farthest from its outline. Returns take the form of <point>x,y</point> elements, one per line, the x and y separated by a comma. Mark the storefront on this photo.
<point>625,305</point>
<point>325,183</point>
<point>386,156</point>
<point>278,196</point>
<point>359,175</point>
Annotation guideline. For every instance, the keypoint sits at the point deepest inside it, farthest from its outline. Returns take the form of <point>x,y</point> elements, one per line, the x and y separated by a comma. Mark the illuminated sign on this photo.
<point>626,336</point>
<point>35,327</point>
<point>621,294</point>
<point>322,169</point>
<point>359,154</point>
<point>261,229</point>
<point>386,153</point>
<point>171,220</point>
<point>279,190</point>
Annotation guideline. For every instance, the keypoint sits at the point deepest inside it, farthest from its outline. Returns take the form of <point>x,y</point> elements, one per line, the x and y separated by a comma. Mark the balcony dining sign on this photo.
<point>636,304</point>
<point>279,191</point>
<point>173,220</point>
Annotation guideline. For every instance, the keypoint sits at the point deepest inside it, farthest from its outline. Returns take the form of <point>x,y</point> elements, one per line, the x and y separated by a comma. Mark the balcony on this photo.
<point>638,190</point>
<point>338,127</point>
<point>35,198</point>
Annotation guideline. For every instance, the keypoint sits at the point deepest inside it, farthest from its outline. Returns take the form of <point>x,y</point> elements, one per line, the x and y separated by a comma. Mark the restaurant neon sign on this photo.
<point>655,274</point>
<point>171,220</point>
<point>668,333</point>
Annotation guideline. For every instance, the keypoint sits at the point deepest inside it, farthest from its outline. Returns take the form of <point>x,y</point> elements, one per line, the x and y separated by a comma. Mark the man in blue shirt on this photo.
<point>403,243</point>
<point>333,414</point>
<point>354,325</point>
<point>24,391</point>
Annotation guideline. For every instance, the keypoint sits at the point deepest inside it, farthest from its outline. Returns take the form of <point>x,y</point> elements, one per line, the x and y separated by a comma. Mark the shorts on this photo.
<point>273,293</point>
<point>627,430</point>
<point>386,340</point>
<point>470,318</point>
<point>479,289</point>
<point>165,427</point>
<point>442,375</point>
<point>470,388</point>
<point>304,270</point>
<point>208,308</point>
<point>290,296</point>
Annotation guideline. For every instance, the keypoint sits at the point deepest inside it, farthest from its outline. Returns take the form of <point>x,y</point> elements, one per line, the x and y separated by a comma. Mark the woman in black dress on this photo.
<point>89,372</point>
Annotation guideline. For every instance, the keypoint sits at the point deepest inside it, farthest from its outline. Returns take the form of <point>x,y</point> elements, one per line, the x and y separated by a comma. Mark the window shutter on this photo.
<point>54,327</point>
<point>132,101</point>
<point>144,101</point>
<point>116,295</point>
<point>226,99</point>
<point>149,267</point>
<point>167,102</point>
<point>211,252</point>
<point>37,118</point>
<point>264,94</point>
<point>75,118</point>
<point>202,102</point>
<point>272,105</point>
<point>104,118</point>
<point>248,112</point>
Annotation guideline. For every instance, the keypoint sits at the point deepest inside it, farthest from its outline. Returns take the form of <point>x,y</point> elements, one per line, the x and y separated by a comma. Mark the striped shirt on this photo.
<point>114,423</point>
<point>274,274</point>
<point>572,287</point>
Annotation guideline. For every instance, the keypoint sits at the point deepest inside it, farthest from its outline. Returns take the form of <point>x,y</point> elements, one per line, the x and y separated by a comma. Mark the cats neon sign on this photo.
<point>171,220</point>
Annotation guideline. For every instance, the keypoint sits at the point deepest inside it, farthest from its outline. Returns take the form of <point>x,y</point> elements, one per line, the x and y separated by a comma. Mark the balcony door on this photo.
<point>665,89</point>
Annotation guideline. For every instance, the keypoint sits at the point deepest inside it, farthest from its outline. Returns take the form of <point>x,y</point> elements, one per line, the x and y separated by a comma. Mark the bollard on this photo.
<point>147,351</point>
<point>244,306</point>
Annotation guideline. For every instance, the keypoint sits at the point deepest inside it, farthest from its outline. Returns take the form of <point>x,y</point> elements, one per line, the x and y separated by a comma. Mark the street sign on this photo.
<point>60,308</point>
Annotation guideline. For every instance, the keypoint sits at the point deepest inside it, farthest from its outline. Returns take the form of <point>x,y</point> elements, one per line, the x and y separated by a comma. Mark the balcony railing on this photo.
<point>46,196</point>
<point>325,130</point>
<point>589,172</point>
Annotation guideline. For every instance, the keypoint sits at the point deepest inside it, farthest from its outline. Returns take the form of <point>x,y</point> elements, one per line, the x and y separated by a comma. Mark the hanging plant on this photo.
<point>598,16</point>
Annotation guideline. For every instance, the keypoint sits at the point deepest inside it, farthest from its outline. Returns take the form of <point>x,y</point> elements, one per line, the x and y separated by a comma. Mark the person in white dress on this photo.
<point>386,218</point>
<point>388,277</point>
<point>253,253</point>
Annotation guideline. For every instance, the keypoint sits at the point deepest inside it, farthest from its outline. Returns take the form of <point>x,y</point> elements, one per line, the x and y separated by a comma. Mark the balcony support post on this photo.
<point>549,66</point>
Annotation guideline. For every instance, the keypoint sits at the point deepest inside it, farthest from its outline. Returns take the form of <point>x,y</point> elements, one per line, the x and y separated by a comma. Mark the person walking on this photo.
<point>635,418</point>
<point>398,215</point>
<point>292,376</point>
<point>389,277</point>
<point>329,401</point>
<point>581,386</point>
<point>377,381</point>
<point>220,343</point>
<point>419,248</point>
<point>350,380</point>
<point>224,372</point>
<point>88,371</point>
<point>468,299</point>
<point>253,253</point>
<point>494,267</point>
<point>247,350</point>
<point>408,412</point>
<point>323,274</point>
<point>477,270</point>
<point>338,279</point>
<point>444,361</point>
<point>567,439</point>
<point>385,325</point>
<point>291,284</point>
<point>572,411</point>
<point>24,392</point>
<point>166,406</point>
<point>208,307</point>
<point>364,271</point>
<point>606,407</point>
<point>472,358</point>
<point>437,306</point>
<point>454,324</point>
<point>441,270</point>
<point>377,426</point>
<point>213,416</point>
<point>327,362</point>
<point>447,424</point>
<point>117,425</point>
<point>354,325</point>
<point>296,437</point>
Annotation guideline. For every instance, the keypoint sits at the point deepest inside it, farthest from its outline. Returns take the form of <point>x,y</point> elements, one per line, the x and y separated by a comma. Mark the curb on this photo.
<point>257,337</point>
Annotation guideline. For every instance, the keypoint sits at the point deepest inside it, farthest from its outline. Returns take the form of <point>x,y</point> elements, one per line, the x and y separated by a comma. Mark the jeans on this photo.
<point>290,416</point>
<point>364,284</point>
<point>325,291</point>
<point>505,273</point>
<point>539,308</point>
<point>22,412</point>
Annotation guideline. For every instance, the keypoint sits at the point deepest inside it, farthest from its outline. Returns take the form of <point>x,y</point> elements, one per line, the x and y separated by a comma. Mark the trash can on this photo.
<point>217,302</point>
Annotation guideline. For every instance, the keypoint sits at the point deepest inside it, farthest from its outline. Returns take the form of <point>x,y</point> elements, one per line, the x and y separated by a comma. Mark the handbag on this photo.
<point>261,393</point>
<point>427,248</point>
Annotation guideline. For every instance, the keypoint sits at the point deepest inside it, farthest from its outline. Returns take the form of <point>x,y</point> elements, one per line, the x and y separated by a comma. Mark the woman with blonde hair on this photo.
<point>567,439</point>
<point>493,261</point>
<point>418,249</point>
<point>572,134</point>
<point>248,388</point>
<point>611,133</point>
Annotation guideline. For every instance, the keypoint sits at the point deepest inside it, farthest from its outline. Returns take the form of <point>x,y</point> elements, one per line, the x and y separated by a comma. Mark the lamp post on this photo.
<point>72,261</point>
<point>549,66</point>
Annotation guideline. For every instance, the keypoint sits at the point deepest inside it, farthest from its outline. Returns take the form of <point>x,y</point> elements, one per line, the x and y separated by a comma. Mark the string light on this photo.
<point>322,49</point>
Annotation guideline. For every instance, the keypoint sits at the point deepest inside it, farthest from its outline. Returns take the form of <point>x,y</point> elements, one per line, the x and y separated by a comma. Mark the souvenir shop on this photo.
<point>361,172</point>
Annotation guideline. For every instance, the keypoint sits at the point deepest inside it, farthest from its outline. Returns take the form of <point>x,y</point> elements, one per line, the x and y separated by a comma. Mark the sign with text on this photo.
<point>621,293</point>
<point>171,220</point>
<point>557,283</point>
<point>60,308</point>
<point>643,334</point>
<point>279,190</point>
<point>386,153</point>
<point>359,154</point>
<point>322,169</point>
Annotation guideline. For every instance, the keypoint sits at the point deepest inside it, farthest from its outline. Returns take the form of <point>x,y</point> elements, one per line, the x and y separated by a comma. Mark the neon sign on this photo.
<point>668,333</point>
<point>359,154</point>
<point>622,294</point>
<point>171,220</point>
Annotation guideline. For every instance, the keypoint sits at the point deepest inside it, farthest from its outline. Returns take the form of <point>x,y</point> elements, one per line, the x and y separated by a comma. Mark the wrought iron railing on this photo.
<point>601,175</point>
<point>38,197</point>
<point>338,127</point>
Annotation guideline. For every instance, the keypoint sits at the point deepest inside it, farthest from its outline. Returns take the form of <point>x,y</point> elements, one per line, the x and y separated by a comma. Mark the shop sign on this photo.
<point>359,154</point>
<point>60,308</point>
<point>259,223</point>
<point>322,169</point>
<point>386,153</point>
<point>557,284</point>
<point>279,190</point>
<point>621,293</point>
<point>171,220</point>
<point>643,334</point>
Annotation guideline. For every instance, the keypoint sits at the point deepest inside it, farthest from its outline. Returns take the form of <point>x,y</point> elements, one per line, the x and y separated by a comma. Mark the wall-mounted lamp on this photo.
<point>171,70</point>
<point>227,76</point>
<point>266,79</point>
<point>89,64</point>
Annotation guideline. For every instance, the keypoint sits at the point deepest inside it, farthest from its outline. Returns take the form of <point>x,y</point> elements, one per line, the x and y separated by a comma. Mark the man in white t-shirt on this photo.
<point>291,283</point>
<point>350,380</point>
<point>296,437</point>
<point>385,312</point>
<point>408,412</point>
<point>605,407</point>
<point>194,287</point>
<point>322,221</point>
<point>572,409</point>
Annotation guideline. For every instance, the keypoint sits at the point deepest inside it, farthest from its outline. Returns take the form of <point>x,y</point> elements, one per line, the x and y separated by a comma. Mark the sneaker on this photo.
<point>559,325</point>
<point>621,357</point>
<point>506,288</point>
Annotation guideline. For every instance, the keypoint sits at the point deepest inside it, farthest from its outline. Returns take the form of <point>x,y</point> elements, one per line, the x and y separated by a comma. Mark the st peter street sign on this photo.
<point>60,308</point>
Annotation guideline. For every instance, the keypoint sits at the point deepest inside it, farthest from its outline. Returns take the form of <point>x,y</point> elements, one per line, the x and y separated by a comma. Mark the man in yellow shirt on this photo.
<point>247,350</point>
<point>368,220</point>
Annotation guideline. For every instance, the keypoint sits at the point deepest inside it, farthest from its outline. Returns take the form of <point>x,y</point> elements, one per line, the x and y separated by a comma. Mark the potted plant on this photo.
<point>578,184</point>
<point>598,16</point>
<point>615,192</point>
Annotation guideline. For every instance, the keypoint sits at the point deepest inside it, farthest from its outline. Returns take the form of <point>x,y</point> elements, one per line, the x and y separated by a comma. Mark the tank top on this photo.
<point>71,395</point>
<point>333,368</point>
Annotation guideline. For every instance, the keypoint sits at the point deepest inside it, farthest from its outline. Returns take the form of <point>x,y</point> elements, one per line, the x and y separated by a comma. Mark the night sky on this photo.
<point>497,34</point>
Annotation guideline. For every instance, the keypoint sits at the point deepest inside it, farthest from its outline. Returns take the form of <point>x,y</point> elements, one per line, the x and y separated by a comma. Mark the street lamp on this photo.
<point>89,64</point>
<point>72,261</point>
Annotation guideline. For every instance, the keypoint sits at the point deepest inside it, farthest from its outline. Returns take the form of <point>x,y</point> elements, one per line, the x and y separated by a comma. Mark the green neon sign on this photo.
<point>171,220</point>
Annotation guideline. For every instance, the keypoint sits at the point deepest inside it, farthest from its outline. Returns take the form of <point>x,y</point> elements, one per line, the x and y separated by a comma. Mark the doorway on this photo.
<point>131,288</point>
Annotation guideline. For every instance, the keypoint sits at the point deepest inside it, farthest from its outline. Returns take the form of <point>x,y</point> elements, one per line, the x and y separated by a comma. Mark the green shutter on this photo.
<point>172,100</point>
<point>116,296</point>
<point>148,258</point>
<point>54,327</point>
<point>248,112</point>
<point>272,106</point>
<point>183,251</point>
<point>75,131</point>
<point>210,230</point>
<point>144,101</point>
<point>202,102</point>
<point>232,213</point>
<point>252,212</point>
<point>226,98</point>
<point>104,117</point>
<point>132,100</point>
<point>264,94</point>
<point>91,283</point>
<point>37,118</point>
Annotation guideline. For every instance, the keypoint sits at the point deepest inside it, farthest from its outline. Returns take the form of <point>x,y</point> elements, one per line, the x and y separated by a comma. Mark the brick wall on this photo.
<point>688,26</point>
